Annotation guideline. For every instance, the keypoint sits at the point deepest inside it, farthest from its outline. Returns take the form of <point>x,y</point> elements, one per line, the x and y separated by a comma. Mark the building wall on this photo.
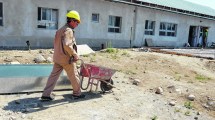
<point>20,24</point>
<point>183,25</point>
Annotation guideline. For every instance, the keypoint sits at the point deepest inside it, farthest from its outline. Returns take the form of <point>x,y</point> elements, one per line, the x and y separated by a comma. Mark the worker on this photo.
<point>64,58</point>
<point>205,37</point>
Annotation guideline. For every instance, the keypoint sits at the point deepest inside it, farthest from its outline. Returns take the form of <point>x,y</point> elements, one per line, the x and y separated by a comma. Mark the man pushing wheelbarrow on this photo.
<point>64,49</point>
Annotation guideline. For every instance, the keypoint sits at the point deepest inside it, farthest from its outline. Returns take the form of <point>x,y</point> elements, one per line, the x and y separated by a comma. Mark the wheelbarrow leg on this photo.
<point>96,83</point>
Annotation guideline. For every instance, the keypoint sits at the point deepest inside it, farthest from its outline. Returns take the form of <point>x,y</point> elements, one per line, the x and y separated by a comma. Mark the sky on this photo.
<point>209,3</point>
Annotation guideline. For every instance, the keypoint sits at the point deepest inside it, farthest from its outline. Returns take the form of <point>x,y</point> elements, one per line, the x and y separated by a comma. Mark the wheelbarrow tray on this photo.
<point>96,72</point>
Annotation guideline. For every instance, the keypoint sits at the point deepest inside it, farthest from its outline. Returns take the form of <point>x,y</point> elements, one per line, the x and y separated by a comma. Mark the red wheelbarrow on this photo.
<point>94,75</point>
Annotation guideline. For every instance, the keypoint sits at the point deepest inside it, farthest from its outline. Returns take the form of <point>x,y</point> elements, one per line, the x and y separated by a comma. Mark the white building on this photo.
<point>120,23</point>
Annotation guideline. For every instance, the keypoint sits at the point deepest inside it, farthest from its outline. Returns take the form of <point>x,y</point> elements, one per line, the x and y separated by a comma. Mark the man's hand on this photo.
<point>75,58</point>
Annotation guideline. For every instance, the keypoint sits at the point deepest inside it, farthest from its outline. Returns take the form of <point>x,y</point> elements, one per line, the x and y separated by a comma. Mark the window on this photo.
<point>1,14</point>
<point>149,27</point>
<point>114,24</point>
<point>167,29</point>
<point>47,18</point>
<point>95,17</point>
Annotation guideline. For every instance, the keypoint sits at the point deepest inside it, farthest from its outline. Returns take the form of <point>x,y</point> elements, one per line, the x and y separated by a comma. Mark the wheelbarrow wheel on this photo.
<point>106,87</point>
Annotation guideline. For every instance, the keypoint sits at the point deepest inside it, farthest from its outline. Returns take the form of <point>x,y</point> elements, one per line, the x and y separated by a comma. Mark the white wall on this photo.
<point>20,24</point>
<point>183,25</point>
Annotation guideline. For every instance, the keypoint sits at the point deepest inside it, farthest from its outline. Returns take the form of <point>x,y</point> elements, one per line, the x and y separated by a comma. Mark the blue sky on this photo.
<point>209,3</point>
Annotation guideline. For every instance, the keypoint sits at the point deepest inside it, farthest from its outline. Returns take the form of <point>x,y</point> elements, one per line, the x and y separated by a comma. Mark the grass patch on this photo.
<point>188,105</point>
<point>154,117</point>
<point>125,53</point>
<point>111,50</point>
<point>114,56</point>
<point>187,113</point>
<point>202,78</point>
<point>93,59</point>
<point>129,72</point>
<point>177,110</point>
<point>178,78</point>
<point>86,55</point>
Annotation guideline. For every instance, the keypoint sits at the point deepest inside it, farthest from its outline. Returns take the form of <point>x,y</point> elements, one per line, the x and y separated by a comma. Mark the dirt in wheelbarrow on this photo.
<point>148,86</point>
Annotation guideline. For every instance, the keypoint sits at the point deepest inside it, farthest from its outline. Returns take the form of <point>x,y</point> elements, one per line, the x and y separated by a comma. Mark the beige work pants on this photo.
<point>72,74</point>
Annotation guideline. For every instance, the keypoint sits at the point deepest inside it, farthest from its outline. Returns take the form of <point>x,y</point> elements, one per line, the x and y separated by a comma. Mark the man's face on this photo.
<point>74,23</point>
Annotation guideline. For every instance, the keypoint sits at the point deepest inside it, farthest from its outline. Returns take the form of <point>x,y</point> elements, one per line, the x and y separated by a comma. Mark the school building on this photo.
<point>116,23</point>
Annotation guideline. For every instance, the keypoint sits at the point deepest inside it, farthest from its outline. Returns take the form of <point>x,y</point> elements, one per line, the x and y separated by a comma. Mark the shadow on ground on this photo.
<point>30,105</point>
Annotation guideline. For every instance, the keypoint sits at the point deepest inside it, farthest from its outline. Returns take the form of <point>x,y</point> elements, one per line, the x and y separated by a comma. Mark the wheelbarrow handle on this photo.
<point>82,61</point>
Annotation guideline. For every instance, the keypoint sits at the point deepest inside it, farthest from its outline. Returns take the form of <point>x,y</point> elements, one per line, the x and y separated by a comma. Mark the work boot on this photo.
<point>78,96</point>
<point>47,98</point>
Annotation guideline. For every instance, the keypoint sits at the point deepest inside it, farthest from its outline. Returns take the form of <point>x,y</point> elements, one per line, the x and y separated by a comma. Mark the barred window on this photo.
<point>149,27</point>
<point>168,29</point>
<point>114,24</point>
<point>95,17</point>
<point>47,18</point>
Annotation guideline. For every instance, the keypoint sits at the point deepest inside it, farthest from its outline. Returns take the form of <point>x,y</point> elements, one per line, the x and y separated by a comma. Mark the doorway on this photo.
<point>198,36</point>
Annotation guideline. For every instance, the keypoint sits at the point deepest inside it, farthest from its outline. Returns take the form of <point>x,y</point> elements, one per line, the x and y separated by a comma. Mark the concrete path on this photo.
<point>207,53</point>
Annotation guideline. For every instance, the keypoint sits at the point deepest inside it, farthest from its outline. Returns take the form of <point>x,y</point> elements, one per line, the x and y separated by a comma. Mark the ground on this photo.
<point>140,72</point>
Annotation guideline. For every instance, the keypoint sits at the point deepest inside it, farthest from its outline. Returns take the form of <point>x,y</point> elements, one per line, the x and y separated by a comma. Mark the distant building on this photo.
<point>113,23</point>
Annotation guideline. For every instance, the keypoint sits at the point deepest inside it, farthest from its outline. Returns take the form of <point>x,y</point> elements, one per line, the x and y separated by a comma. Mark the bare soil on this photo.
<point>178,76</point>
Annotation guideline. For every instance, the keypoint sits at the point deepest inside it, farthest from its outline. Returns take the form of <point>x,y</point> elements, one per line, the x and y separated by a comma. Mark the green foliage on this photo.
<point>188,104</point>
<point>109,44</point>
<point>85,55</point>
<point>202,78</point>
<point>187,113</point>
<point>177,110</point>
<point>125,53</point>
<point>112,50</point>
<point>154,117</point>
<point>130,72</point>
<point>93,59</point>
<point>186,75</point>
<point>178,78</point>
<point>114,56</point>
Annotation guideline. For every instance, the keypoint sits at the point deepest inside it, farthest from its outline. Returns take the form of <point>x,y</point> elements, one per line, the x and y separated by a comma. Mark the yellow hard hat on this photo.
<point>74,14</point>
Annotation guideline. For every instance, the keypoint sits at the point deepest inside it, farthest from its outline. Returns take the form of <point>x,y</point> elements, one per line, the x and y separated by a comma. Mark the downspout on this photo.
<point>133,29</point>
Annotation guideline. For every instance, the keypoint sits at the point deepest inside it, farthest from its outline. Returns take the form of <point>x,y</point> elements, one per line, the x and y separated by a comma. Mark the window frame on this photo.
<point>112,24</point>
<point>168,29</point>
<point>1,17</point>
<point>149,30</point>
<point>51,18</point>
<point>97,17</point>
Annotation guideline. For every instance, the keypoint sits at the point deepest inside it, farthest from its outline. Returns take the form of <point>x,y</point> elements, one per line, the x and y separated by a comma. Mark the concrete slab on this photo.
<point>149,42</point>
<point>204,53</point>
<point>28,78</point>
<point>84,49</point>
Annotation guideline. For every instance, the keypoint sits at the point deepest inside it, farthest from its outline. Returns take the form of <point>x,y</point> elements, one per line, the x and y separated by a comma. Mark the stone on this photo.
<point>23,116</point>
<point>172,103</point>
<point>211,103</point>
<point>191,97</point>
<point>198,113</point>
<point>15,62</point>
<point>196,118</point>
<point>178,91</point>
<point>49,60</point>
<point>39,59</point>
<point>159,90</point>
<point>12,118</point>
<point>136,82</point>
<point>205,105</point>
